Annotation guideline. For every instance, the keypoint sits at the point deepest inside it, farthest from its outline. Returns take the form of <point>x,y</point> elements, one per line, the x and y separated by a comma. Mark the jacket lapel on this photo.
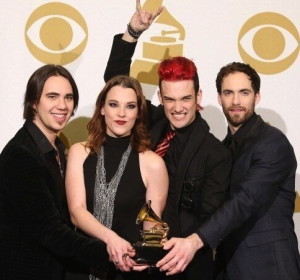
<point>197,136</point>
<point>251,137</point>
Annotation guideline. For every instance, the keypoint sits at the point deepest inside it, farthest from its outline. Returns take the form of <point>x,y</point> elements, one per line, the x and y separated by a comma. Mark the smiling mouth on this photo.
<point>59,116</point>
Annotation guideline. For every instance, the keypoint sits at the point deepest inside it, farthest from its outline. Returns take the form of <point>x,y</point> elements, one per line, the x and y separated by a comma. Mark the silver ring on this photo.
<point>116,262</point>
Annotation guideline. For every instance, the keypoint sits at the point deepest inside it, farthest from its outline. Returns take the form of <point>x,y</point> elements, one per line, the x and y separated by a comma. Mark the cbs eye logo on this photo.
<point>56,33</point>
<point>272,42</point>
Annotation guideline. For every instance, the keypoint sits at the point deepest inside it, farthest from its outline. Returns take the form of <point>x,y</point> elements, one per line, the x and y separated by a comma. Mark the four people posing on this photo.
<point>114,173</point>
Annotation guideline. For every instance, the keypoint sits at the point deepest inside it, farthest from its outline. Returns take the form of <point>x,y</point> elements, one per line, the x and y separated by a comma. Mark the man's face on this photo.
<point>237,99</point>
<point>179,101</point>
<point>55,106</point>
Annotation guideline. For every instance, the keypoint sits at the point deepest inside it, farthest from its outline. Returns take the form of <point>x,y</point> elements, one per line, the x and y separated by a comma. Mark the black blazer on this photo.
<point>204,170</point>
<point>256,225</point>
<point>204,166</point>
<point>34,235</point>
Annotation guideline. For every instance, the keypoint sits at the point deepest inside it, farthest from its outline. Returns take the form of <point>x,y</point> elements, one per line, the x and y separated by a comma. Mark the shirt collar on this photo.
<point>41,140</point>
<point>244,129</point>
<point>187,128</point>
<point>182,134</point>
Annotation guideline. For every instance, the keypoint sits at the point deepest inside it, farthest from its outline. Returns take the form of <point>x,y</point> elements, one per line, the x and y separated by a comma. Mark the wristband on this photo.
<point>132,32</point>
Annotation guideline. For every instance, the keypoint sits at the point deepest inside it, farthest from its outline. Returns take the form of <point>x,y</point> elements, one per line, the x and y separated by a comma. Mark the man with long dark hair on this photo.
<point>35,232</point>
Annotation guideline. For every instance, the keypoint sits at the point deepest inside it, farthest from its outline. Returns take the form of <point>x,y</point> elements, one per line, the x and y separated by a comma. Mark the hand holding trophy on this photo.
<point>149,250</point>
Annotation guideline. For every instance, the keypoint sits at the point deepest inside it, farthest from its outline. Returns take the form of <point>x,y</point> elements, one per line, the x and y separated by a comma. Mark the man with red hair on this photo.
<point>198,164</point>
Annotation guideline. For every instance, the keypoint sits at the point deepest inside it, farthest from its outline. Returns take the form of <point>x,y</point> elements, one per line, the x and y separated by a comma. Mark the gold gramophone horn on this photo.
<point>149,249</point>
<point>147,214</point>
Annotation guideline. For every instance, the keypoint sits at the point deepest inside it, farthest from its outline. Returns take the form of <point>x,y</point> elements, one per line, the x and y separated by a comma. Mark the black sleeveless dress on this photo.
<point>130,197</point>
<point>131,192</point>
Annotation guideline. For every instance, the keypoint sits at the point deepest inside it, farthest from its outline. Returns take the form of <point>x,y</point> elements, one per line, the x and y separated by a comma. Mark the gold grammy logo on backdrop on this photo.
<point>56,33</point>
<point>165,45</point>
<point>273,44</point>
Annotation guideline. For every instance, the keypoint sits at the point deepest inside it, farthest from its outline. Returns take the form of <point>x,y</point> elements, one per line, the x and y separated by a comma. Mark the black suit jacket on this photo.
<point>204,168</point>
<point>256,224</point>
<point>34,230</point>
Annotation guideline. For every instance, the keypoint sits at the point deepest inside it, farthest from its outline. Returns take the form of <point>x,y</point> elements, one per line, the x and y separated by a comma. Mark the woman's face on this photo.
<point>120,111</point>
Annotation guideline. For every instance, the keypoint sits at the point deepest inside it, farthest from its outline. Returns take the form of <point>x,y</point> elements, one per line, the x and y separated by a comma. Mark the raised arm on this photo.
<point>82,218</point>
<point>139,22</point>
<point>124,44</point>
<point>122,51</point>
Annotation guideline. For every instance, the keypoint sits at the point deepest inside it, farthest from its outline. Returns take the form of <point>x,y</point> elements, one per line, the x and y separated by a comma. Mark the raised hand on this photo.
<point>141,20</point>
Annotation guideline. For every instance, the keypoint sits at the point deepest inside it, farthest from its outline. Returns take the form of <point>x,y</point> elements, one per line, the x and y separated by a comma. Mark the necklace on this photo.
<point>105,192</point>
<point>60,166</point>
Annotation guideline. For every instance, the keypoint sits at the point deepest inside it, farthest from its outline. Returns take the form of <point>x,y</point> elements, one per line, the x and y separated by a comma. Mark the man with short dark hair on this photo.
<point>35,232</point>
<point>255,228</point>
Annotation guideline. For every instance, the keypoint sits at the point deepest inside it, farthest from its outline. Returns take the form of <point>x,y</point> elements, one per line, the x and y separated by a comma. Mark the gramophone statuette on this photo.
<point>149,249</point>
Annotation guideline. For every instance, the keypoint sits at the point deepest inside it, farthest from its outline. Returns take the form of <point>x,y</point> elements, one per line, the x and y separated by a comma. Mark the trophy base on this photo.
<point>147,254</point>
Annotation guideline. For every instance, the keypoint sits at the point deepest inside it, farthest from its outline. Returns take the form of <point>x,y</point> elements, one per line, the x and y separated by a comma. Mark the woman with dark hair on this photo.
<point>111,176</point>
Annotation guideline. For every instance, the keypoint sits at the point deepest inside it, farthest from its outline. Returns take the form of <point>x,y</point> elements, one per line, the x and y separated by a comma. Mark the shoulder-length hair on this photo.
<point>36,84</point>
<point>140,139</point>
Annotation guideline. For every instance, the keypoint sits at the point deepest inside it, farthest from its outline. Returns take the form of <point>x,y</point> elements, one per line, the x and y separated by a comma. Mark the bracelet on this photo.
<point>132,32</point>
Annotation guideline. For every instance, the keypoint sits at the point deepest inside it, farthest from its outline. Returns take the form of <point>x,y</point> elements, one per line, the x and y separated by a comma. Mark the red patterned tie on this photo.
<point>164,144</point>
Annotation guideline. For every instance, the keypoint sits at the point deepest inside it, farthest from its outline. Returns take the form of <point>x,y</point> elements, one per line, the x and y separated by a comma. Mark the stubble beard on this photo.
<point>237,120</point>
